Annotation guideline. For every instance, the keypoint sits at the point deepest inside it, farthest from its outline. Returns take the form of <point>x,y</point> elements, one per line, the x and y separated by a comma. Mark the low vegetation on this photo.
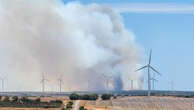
<point>82,108</point>
<point>68,106</point>
<point>75,96</point>
<point>25,102</point>
<point>106,96</point>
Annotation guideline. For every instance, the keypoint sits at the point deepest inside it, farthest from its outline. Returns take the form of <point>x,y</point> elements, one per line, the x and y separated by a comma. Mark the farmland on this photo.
<point>120,102</point>
<point>143,103</point>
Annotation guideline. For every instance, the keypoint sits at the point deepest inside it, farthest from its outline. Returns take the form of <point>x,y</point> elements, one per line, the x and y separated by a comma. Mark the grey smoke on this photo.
<point>77,41</point>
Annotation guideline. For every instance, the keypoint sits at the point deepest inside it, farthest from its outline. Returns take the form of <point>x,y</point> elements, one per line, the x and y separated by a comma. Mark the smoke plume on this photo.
<point>83,44</point>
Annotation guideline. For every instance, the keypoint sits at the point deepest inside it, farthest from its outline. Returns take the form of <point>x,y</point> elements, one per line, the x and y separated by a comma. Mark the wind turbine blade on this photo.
<point>150,58</point>
<point>155,70</point>
<point>142,68</point>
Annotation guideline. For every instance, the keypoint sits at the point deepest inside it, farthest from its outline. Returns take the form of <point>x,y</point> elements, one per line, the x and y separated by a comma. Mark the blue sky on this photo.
<point>124,1</point>
<point>170,35</point>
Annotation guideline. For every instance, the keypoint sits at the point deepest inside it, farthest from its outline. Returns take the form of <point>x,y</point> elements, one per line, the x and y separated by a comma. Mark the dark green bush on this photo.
<point>6,99</point>
<point>93,97</point>
<point>115,97</point>
<point>83,97</point>
<point>74,96</point>
<point>26,100</point>
<point>82,108</point>
<point>106,96</point>
<point>69,105</point>
<point>15,98</point>
<point>56,101</point>
<point>37,100</point>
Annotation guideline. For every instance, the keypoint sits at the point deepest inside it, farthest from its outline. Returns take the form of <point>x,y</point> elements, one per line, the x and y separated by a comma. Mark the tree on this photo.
<point>15,98</point>
<point>106,96</point>
<point>6,99</point>
<point>74,96</point>
<point>56,101</point>
<point>82,108</point>
<point>37,100</point>
<point>69,105</point>
<point>93,97</point>
<point>26,100</point>
<point>85,97</point>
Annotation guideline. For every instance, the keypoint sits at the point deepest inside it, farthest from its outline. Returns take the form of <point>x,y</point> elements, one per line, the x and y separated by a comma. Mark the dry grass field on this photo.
<point>126,103</point>
<point>28,109</point>
<point>142,103</point>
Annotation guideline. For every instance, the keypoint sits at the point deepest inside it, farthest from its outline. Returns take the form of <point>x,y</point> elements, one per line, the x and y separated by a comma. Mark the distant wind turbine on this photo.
<point>2,84</point>
<point>153,83</point>
<point>148,66</point>
<point>60,83</point>
<point>43,80</point>
<point>107,81</point>
<point>131,84</point>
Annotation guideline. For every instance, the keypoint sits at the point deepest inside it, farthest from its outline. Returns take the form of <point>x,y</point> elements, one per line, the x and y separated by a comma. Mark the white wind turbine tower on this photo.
<point>148,66</point>
<point>153,83</point>
<point>131,84</point>
<point>60,83</point>
<point>2,84</point>
<point>43,80</point>
<point>107,80</point>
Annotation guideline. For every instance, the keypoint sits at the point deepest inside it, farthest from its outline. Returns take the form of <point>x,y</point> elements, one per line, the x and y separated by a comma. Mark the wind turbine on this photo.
<point>60,83</point>
<point>131,84</point>
<point>153,83</point>
<point>149,67</point>
<point>43,80</point>
<point>2,84</point>
<point>153,79</point>
<point>107,80</point>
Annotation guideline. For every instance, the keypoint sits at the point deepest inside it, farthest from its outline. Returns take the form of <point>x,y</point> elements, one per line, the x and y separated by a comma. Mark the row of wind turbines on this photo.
<point>44,80</point>
<point>150,80</point>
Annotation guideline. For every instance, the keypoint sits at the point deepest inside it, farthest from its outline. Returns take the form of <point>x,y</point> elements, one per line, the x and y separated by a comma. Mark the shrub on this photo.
<point>69,105</point>
<point>115,97</point>
<point>74,96</point>
<point>56,101</point>
<point>15,99</point>
<point>93,97</point>
<point>6,99</point>
<point>37,100</point>
<point>85,97</point>
<point>82,108</point>
<point>26,100</point>
<point>59,101</point>
<point>106,96</point>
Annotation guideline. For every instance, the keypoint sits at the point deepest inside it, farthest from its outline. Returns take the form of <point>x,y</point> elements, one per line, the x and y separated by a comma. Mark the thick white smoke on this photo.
<point>78,42</point>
